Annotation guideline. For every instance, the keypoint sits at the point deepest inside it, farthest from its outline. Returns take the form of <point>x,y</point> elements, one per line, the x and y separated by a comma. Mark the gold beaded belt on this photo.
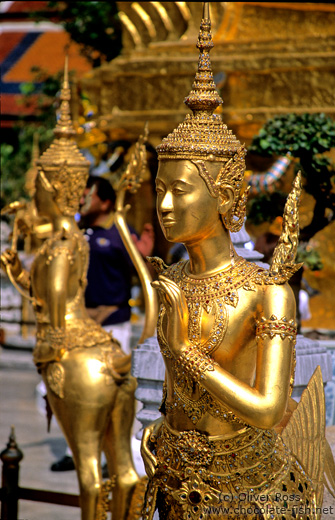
<point>247,455</point>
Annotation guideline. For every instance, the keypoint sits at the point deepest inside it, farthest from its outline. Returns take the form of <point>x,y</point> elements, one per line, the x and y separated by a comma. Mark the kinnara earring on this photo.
<point>234,220</point>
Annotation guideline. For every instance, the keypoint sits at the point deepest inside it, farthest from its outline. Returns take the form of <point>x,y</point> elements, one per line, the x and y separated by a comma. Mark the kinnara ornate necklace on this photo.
<point>209,295</point>
<point>222,285</point>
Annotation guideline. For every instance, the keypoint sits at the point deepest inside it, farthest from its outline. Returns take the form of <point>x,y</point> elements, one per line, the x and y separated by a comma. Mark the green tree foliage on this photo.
<point>94,25</point>
<point>265,207</point>
<point>16,162</point>
<point>307,137</point>
<point>16,156</point>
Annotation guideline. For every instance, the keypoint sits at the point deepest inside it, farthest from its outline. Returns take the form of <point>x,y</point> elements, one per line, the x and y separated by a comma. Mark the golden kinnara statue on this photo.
<point>86,373</point>
<point>231,443</point>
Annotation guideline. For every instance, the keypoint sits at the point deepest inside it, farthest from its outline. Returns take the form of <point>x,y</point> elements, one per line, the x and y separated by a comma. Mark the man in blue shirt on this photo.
<point>110,270</point>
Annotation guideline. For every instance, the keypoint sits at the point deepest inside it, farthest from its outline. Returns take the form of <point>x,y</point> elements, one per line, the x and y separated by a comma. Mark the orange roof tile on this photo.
<point>48,52</point>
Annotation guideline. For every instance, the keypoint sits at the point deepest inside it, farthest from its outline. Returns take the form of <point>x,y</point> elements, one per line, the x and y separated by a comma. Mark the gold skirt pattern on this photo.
<point>250,475</point>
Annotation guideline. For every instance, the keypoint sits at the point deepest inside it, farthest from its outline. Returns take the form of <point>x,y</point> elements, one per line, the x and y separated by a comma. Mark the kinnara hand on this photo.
<point>148,439</point>
<point>177,314</point>
<point>10,258</point>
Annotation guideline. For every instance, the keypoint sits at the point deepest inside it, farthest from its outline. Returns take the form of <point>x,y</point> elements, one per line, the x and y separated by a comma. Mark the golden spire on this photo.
<point>202,135</point>
<point>64,127</point>
<point>62,163</point>
<point>204,96</point>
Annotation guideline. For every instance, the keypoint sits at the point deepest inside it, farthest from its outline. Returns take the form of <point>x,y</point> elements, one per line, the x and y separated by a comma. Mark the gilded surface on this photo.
<point>221,475</point>
<point>131,181</point>
<point>227,331</point>
<point>271,58</point>
<point>287,48</point>
<point>86,373</point>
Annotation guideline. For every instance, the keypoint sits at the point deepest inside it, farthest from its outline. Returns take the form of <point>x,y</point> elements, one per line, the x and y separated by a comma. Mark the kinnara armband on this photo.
<point>272,327</point>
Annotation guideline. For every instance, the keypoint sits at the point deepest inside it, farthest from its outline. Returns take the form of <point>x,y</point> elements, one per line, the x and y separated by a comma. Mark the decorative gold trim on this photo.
<point>131,28</point>
<point>201,135</point>
<point>276,327</point>
<point>55,375</point>
<point>195,363</point>
<point>104,502</point>
<point>252,465</point>
<point>286,248</point>
<point>62,167</point>
<point>231,175</point>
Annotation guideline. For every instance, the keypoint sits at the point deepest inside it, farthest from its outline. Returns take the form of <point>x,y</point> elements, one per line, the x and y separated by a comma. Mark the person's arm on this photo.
<point>145,243</point>
<point>264,404</point>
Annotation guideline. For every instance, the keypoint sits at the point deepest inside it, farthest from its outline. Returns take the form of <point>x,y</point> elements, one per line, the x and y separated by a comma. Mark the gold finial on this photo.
<point>286,248</point>
<point>202,135</point>
<point>64,127</point>
<point>204,96</point>
<point>205,11</point>
<point>62,164</point>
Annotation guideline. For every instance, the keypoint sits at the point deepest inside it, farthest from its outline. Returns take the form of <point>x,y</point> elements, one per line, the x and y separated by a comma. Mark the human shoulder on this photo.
<point>114,234</point>
<point>93,231</point>
<point>99,236</point>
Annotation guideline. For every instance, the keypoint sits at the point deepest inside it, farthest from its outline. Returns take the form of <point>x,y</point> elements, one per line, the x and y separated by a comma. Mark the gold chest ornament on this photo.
<point>209,295</point>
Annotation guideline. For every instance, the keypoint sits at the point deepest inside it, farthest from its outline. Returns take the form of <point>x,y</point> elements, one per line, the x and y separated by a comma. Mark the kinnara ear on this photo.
<point>226,199</point>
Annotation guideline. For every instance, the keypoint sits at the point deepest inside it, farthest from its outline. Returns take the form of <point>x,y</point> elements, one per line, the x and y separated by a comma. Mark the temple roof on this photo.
<point>24,44</point>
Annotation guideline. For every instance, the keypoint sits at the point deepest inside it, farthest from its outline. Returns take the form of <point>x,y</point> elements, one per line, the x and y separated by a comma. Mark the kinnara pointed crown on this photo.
<point>62,164</point>
<point>201,135</point>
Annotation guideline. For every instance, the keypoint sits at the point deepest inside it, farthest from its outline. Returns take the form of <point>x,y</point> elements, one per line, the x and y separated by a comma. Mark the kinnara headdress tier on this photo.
<point>62,164</point>
<point>202,135</point>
